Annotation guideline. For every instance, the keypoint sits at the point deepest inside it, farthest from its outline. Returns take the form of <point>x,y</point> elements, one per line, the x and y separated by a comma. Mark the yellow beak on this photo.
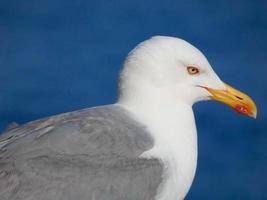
<point>235,99</point>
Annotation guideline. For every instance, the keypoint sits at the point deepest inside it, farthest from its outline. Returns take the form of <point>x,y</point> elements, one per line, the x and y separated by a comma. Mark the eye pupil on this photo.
<point>192,70</point>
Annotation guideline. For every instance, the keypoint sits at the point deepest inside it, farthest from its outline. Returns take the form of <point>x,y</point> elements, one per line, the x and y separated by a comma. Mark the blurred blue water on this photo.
<point>58,56</point>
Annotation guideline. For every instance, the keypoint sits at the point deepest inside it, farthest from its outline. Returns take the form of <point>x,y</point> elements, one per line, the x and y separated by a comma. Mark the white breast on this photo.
<point>174,132</point>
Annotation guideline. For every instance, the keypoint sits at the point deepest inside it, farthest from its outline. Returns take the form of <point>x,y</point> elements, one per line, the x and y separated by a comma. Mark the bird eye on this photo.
<point>192,70</point>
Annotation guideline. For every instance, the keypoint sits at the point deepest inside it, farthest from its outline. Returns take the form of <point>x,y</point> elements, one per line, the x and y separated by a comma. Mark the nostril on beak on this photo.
<point>240,98</point>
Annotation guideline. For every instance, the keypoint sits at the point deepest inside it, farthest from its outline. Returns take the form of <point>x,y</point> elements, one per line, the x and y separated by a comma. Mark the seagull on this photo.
<point>143,147</point>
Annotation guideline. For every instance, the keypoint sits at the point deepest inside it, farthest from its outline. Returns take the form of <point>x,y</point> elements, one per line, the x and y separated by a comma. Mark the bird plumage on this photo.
<point>88,154</point>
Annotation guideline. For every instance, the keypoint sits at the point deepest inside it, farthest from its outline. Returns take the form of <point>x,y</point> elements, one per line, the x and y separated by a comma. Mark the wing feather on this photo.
<point>92,154</point>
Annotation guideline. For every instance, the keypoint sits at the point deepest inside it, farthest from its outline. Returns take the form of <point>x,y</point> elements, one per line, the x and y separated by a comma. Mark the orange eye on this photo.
<point>192,70</point>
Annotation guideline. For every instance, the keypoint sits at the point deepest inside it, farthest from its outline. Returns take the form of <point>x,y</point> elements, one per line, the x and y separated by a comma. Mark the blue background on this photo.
<point>60,55</point>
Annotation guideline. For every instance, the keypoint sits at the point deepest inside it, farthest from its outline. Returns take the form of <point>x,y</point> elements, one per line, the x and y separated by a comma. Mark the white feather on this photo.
<point>156,88</point>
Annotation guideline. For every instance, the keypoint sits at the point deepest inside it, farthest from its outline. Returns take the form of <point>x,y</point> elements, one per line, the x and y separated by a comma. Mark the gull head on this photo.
<point>171,68</point>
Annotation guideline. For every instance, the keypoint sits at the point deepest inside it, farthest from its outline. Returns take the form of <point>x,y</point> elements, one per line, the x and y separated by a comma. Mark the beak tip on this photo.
<point>254,115</point>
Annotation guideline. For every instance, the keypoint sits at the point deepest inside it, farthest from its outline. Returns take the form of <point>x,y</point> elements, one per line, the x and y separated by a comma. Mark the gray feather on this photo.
<point>91,154</point>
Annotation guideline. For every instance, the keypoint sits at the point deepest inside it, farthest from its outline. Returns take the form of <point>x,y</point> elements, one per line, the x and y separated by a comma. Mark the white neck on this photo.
<point>172,124</point>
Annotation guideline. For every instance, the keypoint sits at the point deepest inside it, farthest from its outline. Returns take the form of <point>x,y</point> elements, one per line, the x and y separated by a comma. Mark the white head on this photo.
<point>169,67</point>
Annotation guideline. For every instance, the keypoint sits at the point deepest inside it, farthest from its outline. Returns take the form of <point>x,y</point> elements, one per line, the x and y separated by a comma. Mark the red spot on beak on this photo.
<point>241,109</point>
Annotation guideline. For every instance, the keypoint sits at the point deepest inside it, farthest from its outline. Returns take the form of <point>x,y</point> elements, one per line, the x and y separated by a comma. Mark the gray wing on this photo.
<point>91,154</point>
